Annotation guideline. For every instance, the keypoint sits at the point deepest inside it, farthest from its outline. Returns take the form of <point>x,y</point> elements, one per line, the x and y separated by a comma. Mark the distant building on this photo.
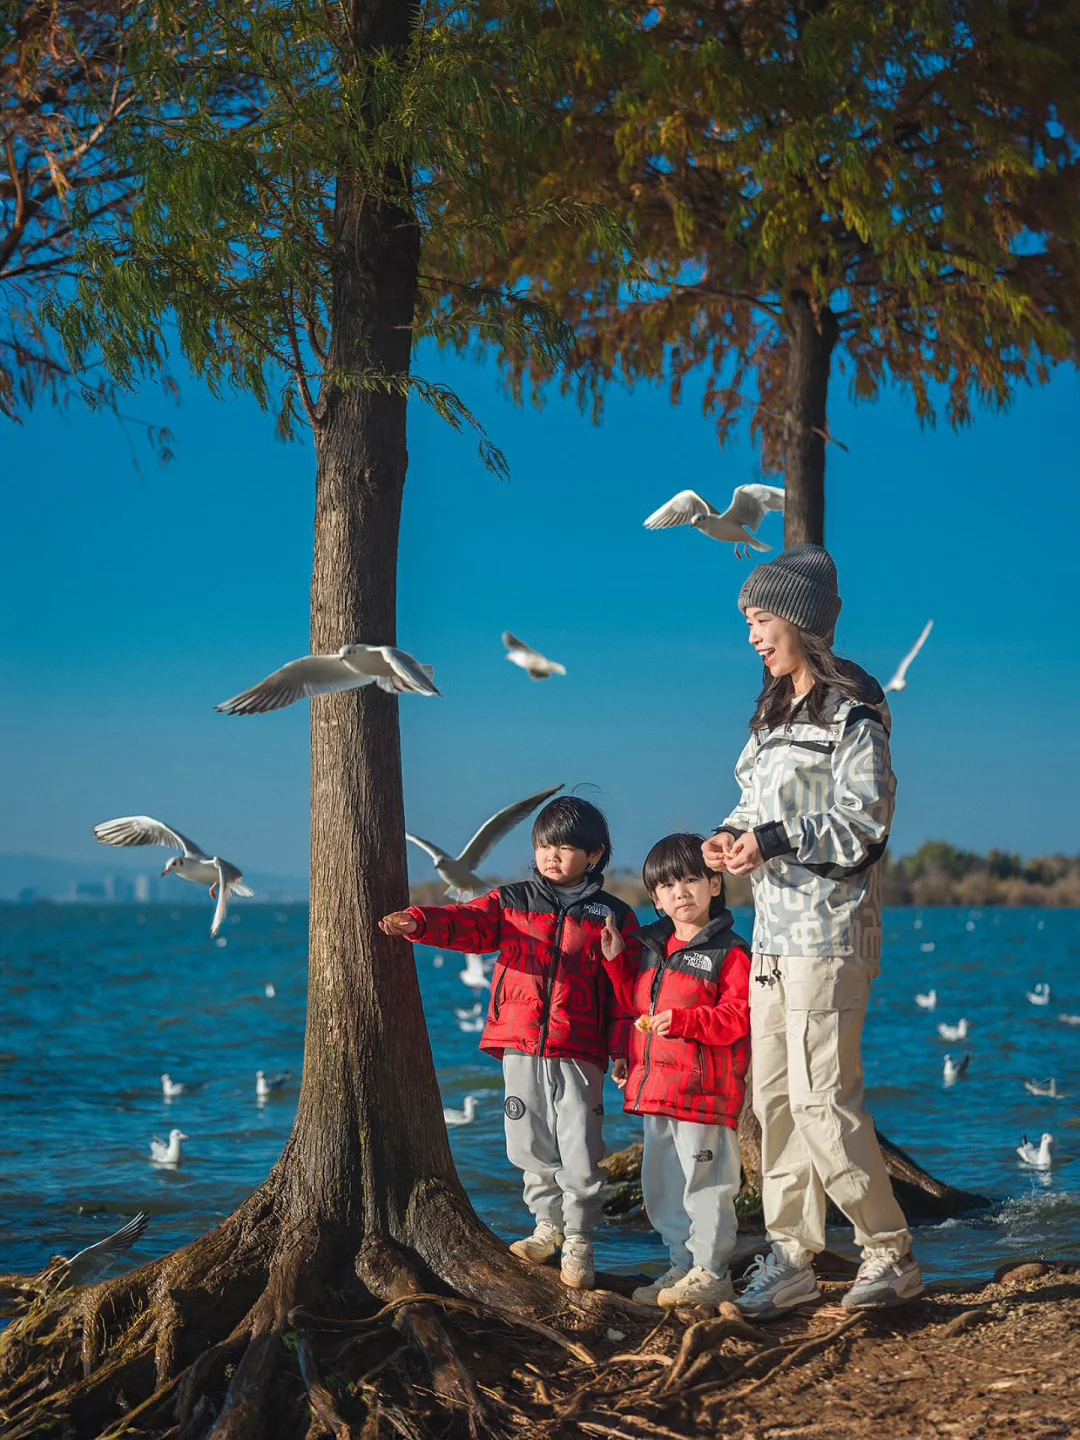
<point>145,889</point>
<point>89,890</point>
<point>28,896</point>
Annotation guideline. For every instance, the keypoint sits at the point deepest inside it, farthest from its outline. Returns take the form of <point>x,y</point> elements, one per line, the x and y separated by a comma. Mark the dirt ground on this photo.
<point>965,1361</point>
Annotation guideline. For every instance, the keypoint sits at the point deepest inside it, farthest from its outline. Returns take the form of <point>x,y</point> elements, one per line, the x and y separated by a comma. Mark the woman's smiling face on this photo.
<point>776,641</point>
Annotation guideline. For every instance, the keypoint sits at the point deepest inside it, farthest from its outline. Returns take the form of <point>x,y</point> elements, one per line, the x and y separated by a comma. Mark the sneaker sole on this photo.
<point>578,1282</point>
<point>774,1311</point>
<point>533,1259</point>
<point>888,1304</point>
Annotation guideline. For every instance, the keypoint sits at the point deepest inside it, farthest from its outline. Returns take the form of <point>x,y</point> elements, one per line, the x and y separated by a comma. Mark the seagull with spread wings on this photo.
<point>459,873</point>
<point>224,879</point>
<point>353,667</point>
<point>749,506</point>
<point>899,680</point>
<point>535,665</point>
<point>86,1267</point>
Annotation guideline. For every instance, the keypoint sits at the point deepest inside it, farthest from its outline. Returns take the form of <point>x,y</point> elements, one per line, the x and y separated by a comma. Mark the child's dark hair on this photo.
<point>571,821</point>
<point>679,857</point>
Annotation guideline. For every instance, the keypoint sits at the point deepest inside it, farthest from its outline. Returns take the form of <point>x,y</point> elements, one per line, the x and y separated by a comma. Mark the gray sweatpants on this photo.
<point>690,1177</point>
<point>555,1133</point>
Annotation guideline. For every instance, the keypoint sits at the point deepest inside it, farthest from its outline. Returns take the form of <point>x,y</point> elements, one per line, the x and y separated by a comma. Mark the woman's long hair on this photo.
<point>830,674</point>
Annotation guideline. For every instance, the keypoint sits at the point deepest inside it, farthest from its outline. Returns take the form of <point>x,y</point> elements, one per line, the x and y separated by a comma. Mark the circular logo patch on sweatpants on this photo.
<point>514,1107</point>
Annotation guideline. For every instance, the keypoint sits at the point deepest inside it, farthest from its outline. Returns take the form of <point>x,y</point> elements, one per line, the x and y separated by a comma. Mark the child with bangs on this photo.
<point>689,1053</point>
<point>558,1011</point>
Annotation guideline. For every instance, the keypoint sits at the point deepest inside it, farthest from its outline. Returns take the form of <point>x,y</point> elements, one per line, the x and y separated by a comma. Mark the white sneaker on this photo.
<point>884,1279</point>
<point>578,1271</point>
<point>646,1294</point>
<point>545,1241</point>
<point>698,1287</point>
<point>776,1286</point>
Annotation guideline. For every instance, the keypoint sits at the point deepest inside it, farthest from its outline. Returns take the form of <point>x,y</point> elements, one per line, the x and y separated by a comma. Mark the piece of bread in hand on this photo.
<point>643,1023</point>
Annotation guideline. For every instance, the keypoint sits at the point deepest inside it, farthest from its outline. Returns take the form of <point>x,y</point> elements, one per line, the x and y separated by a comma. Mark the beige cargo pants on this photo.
<point>806,1023</point>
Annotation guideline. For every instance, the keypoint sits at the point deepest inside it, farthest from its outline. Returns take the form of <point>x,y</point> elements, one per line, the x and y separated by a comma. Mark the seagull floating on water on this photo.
<point>1069,1019</point>
<point>460,1117</point>
<point>459,873</point>
<point>472,1027</point>
<point>899,680</point>
<point>749,506</point>
<point>224,880</point>
<point>1044,1090</point>
<point>469,1014</point>
<point>535,665</point>
<point>167,1154</point>
<point>927,1001</point>
<point>951,1071</point>
<point>266,1085</point>
<point>928,947</point>
<point>269,989</point>
<point>1039,1159</point>
<point>1040,995</point>
<point>954,1032</point>
<point>353,667</point>
<point>474,975</point>
<point>171,1088</point>
<point>438,961</point>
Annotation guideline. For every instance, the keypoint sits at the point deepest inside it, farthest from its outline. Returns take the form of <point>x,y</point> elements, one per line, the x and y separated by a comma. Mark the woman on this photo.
<point>810,826</point>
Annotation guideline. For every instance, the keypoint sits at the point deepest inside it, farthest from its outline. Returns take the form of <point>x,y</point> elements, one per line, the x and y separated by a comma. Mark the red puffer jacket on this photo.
<point>552,993</point>
<point>698,1071</point>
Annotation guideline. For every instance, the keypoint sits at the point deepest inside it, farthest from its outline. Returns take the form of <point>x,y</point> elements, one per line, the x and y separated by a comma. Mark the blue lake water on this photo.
<point>96,1002</point>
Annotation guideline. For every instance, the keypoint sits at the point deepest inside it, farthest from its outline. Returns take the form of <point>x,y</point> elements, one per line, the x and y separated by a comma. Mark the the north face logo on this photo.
<point>702,1156</point>
<point>696,960</point>
<point>600,911</point>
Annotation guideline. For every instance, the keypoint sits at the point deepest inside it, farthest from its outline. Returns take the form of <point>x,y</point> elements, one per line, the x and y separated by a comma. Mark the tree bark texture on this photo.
<point>811,339</point>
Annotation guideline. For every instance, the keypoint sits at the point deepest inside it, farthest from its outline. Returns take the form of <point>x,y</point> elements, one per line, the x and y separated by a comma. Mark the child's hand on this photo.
<point>399,923</point>
<point>715,851</point>
<point>661,1023</point>
<point>619,1073</point>
<point>745,855</point>
<point>611,941</point>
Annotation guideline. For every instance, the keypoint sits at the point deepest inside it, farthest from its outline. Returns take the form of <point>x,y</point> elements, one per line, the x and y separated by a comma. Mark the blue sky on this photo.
<point>132,602</point>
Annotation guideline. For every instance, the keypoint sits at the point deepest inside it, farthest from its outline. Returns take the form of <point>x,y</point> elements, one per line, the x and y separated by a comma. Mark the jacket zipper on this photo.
<point>654,996</point>
<point>551,982</point>
<point>498,995</point>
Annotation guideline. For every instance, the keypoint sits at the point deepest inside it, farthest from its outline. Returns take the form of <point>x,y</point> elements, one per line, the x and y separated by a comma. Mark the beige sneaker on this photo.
<point>646,1294</point>
<point>578,1271</point>
<point>545,1241</point>
<point>697,1287</point>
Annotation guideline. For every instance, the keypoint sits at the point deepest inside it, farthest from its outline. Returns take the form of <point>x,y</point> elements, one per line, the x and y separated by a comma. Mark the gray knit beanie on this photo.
<point>800,586</point>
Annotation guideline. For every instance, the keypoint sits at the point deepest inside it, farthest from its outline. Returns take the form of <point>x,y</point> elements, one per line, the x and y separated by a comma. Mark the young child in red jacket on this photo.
<point>689,1052</point>
<point>558,1010</point>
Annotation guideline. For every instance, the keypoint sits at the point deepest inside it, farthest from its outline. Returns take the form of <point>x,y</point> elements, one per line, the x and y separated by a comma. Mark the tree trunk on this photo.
<point>811,338</point>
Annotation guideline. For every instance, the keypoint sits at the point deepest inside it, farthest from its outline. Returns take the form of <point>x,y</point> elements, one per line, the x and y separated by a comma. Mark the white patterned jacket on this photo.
<point>820,800</point>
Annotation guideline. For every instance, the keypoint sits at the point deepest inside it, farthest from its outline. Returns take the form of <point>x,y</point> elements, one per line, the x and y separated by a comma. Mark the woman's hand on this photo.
<point>661,1023</point>
<point>745,855</point>
<point>399,923</point>
<point>611,941</point>
<point>619,1073</point>
<point>716,850</point>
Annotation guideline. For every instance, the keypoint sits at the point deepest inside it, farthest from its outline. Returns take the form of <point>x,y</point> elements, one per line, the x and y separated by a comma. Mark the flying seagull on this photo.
<point>749,506</point>
<point>899,680</point>
<point>1040,995</point>
<point>351,668</point>
<point>225,880</point>
<point>459,875</point>
<point>1044,1090</point>
<point>86,1267</point>
<point>535,665</point>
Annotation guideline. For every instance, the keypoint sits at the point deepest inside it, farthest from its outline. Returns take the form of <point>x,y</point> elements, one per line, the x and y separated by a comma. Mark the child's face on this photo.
<point>687,901</point>
<point>776,641</point>
<point>564,864</point>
